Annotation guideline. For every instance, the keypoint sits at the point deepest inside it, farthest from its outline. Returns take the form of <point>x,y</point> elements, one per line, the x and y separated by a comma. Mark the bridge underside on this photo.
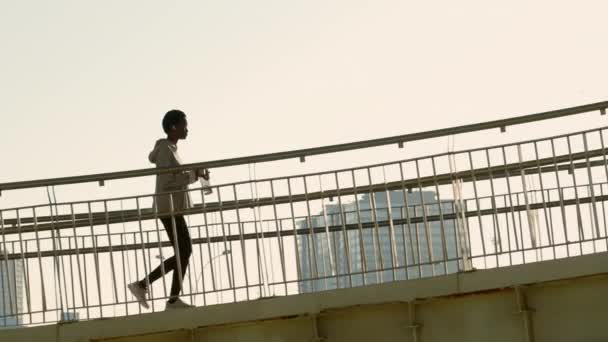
<point>558,300</point>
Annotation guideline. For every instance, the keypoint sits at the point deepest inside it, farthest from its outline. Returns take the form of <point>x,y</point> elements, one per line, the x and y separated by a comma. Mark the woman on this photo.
<point>165,155</point>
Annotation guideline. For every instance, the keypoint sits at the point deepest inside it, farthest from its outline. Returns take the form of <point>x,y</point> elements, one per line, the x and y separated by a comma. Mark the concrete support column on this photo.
<point>413,325</point>
<point>525,312</point>
<point>315,329</point>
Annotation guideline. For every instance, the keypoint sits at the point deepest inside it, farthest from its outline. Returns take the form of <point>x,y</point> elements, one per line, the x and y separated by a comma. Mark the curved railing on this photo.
<point>303,153</point>
<point>485,207</point>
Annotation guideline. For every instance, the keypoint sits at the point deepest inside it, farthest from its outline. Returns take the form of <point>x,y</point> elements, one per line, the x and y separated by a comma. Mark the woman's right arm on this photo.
<point>166,158</point>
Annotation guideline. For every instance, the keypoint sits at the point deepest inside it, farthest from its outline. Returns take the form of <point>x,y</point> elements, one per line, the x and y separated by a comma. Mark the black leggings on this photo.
<point>185,250</point>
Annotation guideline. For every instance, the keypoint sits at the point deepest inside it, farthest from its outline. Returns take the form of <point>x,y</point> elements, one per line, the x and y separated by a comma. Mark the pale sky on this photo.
<point>84,84</point>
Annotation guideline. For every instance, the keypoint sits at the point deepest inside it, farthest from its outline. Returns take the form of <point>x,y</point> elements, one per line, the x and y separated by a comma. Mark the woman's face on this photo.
<point>181,129</point>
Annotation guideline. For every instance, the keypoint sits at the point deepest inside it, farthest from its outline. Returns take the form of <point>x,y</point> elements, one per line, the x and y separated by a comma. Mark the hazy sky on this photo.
<point>84,84</point>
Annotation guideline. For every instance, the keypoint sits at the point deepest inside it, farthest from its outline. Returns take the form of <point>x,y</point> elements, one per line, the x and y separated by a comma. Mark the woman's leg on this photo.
<point>139,289</point>
<point>169,264</point>
<point>185,250</point>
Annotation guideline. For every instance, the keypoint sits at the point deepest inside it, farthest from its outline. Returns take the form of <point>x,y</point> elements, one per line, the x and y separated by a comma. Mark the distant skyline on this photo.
<point>401,251</point>
<point>11,292</point>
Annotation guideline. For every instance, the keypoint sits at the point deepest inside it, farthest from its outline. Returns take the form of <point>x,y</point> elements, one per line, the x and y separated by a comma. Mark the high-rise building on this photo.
<point>70,316</point>
<point>378,251</point>
<point>11,292</point>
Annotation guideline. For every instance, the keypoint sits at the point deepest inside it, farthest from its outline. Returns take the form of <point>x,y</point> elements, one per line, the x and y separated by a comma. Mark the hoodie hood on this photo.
<point>160,143</point>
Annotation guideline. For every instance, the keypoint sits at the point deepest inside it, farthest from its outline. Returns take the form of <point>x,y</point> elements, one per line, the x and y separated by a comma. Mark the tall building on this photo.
<point>70,316</point>
<point>11,292</point>
<point>378,252</point>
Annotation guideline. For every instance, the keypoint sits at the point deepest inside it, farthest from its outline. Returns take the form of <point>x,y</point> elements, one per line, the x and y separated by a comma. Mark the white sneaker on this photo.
<point>178,304</point>
<point>139,293</point>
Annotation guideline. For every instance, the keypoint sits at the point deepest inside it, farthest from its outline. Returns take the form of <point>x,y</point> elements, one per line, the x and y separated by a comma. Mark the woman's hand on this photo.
<point>204,173</point>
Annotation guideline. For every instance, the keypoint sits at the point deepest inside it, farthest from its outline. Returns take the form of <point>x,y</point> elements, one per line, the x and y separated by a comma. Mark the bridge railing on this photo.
<point>487,207</point>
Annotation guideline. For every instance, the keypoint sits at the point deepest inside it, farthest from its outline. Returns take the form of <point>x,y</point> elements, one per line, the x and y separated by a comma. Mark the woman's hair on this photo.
<point>172,118</point>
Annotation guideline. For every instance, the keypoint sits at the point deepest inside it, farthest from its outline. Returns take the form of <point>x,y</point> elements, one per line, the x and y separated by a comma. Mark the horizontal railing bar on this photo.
<point>412,207</point>
<point>318,230</point>
<point>529,167</point>
<point>299,176</point>
<point>313,151</point>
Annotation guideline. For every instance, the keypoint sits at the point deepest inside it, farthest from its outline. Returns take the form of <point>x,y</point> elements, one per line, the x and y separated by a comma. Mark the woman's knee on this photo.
<point>184,238</point>
<point>186,249</point>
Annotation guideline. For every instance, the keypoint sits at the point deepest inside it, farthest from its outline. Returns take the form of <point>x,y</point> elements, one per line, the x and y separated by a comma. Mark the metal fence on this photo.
<point>488,207</point>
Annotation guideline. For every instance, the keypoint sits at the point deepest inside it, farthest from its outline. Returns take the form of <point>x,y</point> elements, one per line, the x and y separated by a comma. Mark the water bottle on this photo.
<point>206,185</point>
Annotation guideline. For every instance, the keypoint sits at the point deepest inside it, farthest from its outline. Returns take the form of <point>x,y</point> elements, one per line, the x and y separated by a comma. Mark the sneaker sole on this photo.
<point>141,300</point>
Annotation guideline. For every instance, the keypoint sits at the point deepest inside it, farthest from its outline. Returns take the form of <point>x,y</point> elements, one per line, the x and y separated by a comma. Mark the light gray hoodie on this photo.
<point>163,155</point>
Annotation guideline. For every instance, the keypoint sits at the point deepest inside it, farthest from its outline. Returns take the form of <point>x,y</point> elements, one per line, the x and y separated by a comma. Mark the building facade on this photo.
<point>378,250</point>
<point>11,292</point>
